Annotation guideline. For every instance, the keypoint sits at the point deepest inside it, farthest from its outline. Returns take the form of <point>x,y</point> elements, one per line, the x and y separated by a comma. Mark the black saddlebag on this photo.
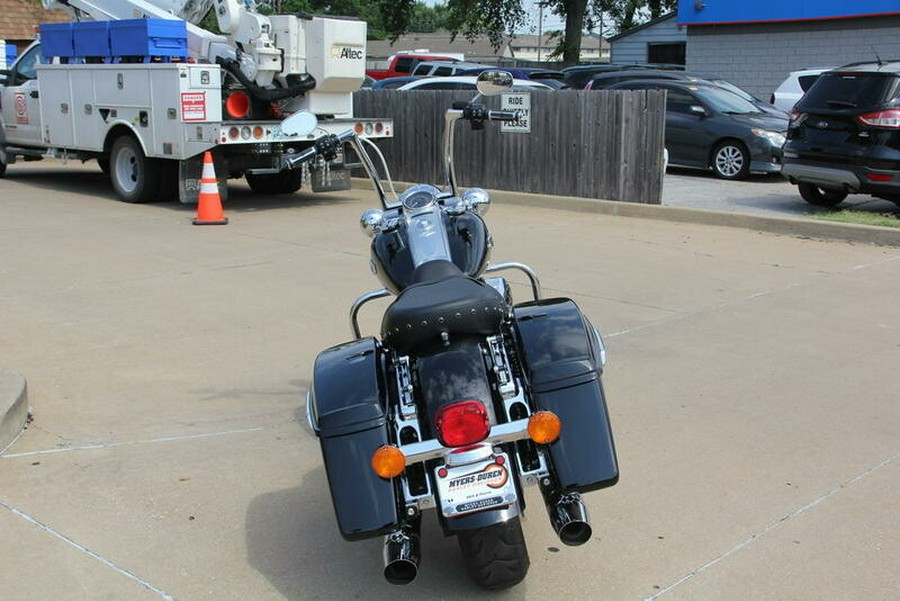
<point>347,409</point>
<point>562,366</point>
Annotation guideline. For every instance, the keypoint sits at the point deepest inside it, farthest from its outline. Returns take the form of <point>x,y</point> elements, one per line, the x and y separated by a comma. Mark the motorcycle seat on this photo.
<point>441,301</point>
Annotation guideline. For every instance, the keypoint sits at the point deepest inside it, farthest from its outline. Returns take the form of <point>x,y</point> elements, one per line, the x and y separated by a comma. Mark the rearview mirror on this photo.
<point>299,124</point>
<point>491,83</point>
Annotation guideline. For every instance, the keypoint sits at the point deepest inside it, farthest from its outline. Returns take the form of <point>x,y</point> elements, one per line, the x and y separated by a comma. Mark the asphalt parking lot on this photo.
<point>750,383</point>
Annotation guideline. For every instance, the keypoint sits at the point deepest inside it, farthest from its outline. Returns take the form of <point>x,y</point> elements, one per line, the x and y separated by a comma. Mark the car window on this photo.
<point>27,65</point>
<point>806,81</point>
<point>404,65</point>
<point>679,101</point>
<point>851,90</point>
<point>724,101</point>
<point>443,71</point>
<point>422,69</point>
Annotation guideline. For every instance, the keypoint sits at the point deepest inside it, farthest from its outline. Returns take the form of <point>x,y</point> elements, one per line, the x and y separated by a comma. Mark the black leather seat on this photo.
<point>441,300</point>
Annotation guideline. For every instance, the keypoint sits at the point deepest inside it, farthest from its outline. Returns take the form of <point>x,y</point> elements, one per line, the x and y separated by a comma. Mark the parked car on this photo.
<point>554,79</point>
<point>604,80</point>
<point>792,89</point>
<point>711,128</point>
<point>465,82</point>
<point>443,68</point>
<point>392,83</point>
<point>579,75</point>
<point>844,135</point>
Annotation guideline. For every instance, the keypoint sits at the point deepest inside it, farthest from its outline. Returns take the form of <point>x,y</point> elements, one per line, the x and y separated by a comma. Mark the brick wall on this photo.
<point>758,57</point>
<point>19,17</point>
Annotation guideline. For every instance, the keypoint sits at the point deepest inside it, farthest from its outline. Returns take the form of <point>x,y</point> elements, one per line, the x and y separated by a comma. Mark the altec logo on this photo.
<point>347,52</point>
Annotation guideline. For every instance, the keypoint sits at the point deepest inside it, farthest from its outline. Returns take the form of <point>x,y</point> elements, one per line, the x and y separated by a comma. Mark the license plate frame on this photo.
<point>465,489</point>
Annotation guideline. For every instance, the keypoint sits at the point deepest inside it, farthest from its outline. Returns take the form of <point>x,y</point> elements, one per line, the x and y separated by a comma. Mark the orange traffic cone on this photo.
<point>209,207</point>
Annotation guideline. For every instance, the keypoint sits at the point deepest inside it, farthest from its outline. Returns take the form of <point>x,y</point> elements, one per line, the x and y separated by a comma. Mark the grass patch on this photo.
<point>860,218</point>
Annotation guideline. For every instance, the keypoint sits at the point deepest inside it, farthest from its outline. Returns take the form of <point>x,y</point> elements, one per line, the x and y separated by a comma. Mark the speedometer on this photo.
<point>419,197</point>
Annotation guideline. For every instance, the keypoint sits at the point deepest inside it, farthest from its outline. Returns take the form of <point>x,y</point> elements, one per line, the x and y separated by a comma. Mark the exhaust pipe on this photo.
<point>401,555</point>
<point>570,520</point>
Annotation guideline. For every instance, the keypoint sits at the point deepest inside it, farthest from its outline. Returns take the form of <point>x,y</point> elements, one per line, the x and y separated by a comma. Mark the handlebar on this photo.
<point>503,115</point>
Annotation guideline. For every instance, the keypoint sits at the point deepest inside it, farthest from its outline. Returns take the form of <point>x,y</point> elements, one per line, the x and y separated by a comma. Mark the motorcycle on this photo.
<point>467,398</point>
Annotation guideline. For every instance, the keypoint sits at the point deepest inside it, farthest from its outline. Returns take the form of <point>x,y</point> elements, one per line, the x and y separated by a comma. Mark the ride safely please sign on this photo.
<point>516,102</point>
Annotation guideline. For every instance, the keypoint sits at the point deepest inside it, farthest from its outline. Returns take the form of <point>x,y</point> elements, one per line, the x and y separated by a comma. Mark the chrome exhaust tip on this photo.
<point>570,520</point>
<point>401,556</point>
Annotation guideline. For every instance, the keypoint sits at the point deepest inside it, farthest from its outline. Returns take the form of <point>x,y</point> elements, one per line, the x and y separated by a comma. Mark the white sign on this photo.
<point>516,102</point>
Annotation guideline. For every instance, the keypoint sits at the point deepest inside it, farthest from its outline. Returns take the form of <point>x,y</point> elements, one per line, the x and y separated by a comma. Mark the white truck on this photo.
<point>148,120</point>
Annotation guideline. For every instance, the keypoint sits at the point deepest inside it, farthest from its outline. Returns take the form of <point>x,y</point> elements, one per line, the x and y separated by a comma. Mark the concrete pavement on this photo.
<point>750,386</point>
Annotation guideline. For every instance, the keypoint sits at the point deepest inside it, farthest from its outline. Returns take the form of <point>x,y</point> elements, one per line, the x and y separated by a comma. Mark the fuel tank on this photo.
<point>469,249</point>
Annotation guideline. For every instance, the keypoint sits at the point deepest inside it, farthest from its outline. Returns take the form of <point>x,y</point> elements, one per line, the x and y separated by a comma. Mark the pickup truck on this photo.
<point>404,63</point>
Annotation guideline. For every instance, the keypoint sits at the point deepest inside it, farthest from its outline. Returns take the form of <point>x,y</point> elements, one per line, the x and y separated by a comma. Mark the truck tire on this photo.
<point>495,556</point>
<point>135,178</point>
<point>2,169</point>
<point>286,182</point>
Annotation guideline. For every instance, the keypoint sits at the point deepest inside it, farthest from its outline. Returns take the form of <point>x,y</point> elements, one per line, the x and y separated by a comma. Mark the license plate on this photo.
<point>470,488</point>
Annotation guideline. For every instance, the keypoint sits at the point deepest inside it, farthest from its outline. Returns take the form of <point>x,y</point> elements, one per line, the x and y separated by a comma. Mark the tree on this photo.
<point>498,18</point>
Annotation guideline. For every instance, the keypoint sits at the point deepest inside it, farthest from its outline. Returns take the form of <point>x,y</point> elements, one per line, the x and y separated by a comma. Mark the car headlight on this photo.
<point>772,137</point>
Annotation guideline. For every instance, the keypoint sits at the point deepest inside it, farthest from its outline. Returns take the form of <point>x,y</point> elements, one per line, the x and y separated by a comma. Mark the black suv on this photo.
<point>844,135</point>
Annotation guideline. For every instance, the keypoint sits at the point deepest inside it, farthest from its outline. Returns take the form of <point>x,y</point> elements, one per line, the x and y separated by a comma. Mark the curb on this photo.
<point>787,226</point>
<point>13,406</point>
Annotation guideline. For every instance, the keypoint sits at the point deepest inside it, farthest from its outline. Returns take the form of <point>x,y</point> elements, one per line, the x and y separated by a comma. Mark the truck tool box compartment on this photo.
<point>347,409</point>
<point>146,38</point>
<point>91,39</point>
<point>57,39</point>
<point>562,368</point>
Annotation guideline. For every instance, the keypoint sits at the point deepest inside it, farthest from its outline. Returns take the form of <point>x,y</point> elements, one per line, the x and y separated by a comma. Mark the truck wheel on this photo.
<point>286,182</point>
<point>135,178</point>
<point>2,169</point>
<point>821,197</point>
<point>496,556</point>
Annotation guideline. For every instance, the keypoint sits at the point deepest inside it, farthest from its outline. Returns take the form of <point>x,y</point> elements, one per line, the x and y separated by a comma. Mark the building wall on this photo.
<point>758,57</point>
<point>632,48</point>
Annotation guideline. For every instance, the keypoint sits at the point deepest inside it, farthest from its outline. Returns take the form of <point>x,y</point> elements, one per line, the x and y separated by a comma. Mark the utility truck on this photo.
<point>138,86</point>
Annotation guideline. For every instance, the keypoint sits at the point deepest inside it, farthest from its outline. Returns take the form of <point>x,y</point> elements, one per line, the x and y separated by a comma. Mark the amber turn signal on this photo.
<point>544,427</point>
<point>388,461</point>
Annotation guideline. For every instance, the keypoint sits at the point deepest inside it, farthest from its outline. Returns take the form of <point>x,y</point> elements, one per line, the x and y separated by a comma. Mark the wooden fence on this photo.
<point>591,144</point>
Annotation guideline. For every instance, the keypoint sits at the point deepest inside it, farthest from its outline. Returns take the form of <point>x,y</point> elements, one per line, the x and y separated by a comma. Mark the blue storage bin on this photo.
<point>57,39</point>
<point>91,39</point>
<point>148,38</point>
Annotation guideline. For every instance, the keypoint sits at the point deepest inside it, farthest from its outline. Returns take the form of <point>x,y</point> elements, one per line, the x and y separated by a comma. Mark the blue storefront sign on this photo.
<point>718,12</point>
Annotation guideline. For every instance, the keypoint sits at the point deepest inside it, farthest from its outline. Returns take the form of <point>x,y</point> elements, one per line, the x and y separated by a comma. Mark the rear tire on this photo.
<point>135,178</point>
<point>496,557</point>
<point>821,197</point>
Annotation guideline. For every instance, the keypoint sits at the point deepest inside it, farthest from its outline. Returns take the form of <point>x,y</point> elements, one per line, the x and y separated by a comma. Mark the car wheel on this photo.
<point>821,197</point>
<point>731,160</point>
<point>2,169</point>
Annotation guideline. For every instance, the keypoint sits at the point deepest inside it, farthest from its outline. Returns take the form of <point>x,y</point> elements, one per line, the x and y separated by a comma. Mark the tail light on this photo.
<point>797,118</point>
<point>237,105</point>
<point>889,119</point>
<point>463,423</point>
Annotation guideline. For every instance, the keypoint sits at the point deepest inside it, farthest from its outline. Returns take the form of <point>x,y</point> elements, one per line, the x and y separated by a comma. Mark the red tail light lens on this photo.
<point>889,119</point>
<point>463,423</point>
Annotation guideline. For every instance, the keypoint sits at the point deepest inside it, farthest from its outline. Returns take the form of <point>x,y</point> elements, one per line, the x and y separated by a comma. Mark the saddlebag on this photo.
<point>562,366</point>
<point>347,410</point>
